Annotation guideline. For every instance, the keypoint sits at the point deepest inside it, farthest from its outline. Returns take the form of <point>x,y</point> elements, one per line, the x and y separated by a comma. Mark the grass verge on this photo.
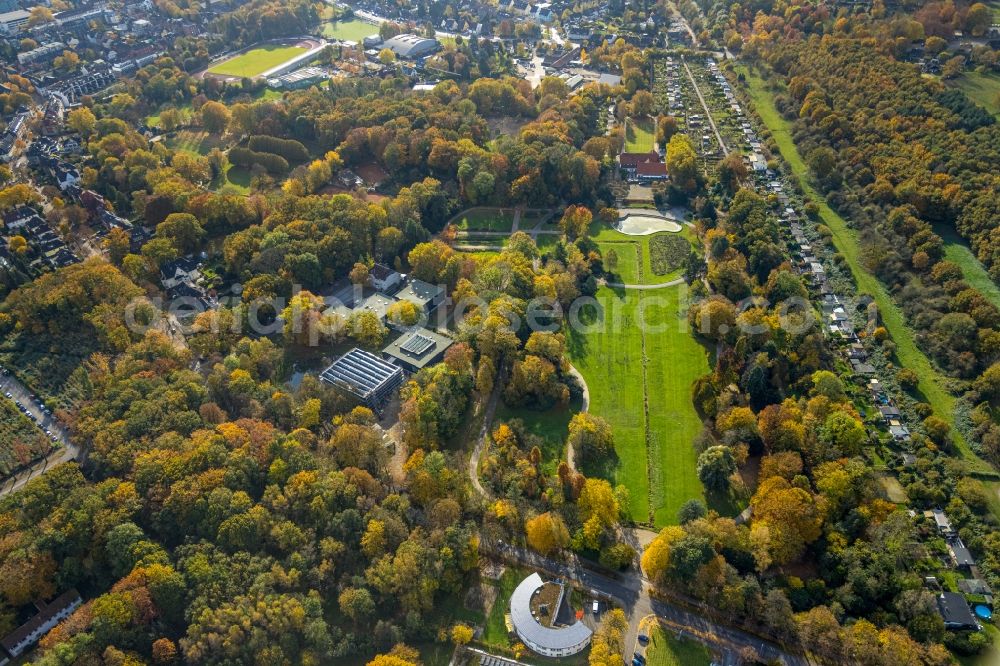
<point>667,650</point>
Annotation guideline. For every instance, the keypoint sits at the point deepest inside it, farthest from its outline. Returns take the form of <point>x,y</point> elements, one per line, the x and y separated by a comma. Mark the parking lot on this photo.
<point>29,405</point>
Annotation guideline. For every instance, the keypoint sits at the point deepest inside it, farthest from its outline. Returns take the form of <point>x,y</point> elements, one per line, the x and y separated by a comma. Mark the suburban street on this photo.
<point>65,453</point>
<point>633,593</point>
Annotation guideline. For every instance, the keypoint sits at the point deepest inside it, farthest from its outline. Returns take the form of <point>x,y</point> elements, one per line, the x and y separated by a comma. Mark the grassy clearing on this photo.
<point>256,61</point>
<point>955,249</point>
<point>655,457</point>
<point>351,30</point>
<point>991,656</point>
<point>667,650</point>
<point>551,426</point>
<point>639,136</point>
<point>196,142</point>
<point>932,383</point>
<point>485,219</point>
<point>983,88</point>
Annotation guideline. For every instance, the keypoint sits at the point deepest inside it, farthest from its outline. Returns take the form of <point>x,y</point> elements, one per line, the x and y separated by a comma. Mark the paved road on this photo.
<point>632,592</point>
<point>65,453</point>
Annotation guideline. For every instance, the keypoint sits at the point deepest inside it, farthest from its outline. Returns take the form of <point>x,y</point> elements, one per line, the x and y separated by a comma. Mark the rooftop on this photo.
<point>418,348</point>
<point>562,638</point>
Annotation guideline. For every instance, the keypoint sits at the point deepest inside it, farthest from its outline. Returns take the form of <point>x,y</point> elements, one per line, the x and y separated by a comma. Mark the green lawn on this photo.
<point>665,649</point>
<point>485,219</point>
<point>639,136</point>
<point>256,61</point>
<point>656,460</point>
<point>932,383</point>
<point>495,631</point>
<point>982,88</point>
<point>196,142</point>
<point>351,30</point>
<point>955,249</point>
<point>551,425</point>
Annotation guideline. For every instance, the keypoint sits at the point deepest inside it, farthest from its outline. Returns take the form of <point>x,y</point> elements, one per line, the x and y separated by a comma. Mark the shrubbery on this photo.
<point>668,252</point>
<point>248,158</point>
<point>290,149</point>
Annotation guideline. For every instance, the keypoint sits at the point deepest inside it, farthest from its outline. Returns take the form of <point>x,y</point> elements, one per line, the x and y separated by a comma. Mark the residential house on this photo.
<point>955,612</point>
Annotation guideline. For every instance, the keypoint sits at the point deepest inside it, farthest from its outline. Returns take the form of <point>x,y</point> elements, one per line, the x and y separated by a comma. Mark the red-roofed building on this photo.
<point>642,166</point>
<point>651,171</point>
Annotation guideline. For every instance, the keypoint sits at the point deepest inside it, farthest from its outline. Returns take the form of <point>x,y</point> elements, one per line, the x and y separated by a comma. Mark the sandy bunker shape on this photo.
<point>643,224</point>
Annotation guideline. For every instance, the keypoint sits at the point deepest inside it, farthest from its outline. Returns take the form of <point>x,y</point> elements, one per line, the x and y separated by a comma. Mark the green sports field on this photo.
<point>351,30</point>
<point>256,61</point>
<point>640,381</point>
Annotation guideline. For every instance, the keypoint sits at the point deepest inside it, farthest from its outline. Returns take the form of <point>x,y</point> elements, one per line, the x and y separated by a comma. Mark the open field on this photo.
<point>485,219</point>
<point>625,369</point>
<point>932,384</point>
<point>551,425</point>
<point>196,142</point>
<point>351,30</point>
<point>256,61</point>
<point>665,649</point>
<point>639,136</point>
<point>983,89</point>
<point>955,249</point>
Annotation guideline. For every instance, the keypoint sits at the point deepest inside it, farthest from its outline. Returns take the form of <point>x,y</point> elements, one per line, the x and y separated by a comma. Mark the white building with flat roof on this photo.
<point>549,641</point>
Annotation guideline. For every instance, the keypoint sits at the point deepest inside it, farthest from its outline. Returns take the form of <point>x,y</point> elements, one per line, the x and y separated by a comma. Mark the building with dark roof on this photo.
<point>384,278</point>
<point>424,295</point>
<point>416,349</point>
<point>367,377</point>
<point>559,640</point>
<point>49,615</point>
<point>955,611</point>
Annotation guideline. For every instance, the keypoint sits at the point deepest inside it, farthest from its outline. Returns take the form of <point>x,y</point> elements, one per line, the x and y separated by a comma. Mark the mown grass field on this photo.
<point>256,61</point>
<point>982,88</point>
<point>956,249</point>
<point>639,136</point>
<point>667,650</point>
<point>655,457</point>
<point>351,30</point>
<point>932,383</point>
<point>485,219</point>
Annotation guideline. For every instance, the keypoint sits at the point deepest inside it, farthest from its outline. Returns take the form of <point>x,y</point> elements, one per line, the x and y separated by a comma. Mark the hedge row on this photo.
<point>248,158</point>
<point>290,149</point>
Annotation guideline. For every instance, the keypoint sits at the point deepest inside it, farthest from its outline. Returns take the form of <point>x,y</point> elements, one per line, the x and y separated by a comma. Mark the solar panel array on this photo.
<point>362,373</point>
<point>417,345</point>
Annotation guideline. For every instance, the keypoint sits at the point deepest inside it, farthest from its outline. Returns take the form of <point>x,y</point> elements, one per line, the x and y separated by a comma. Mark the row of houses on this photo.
<point>953,607</point>
<point>14,132</point>
<point>47,247</point>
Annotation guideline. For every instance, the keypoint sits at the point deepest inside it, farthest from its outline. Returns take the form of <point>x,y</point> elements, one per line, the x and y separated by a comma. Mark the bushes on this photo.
<point>248,158</point>
<point>290,149</point>
<point>667,253</point>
